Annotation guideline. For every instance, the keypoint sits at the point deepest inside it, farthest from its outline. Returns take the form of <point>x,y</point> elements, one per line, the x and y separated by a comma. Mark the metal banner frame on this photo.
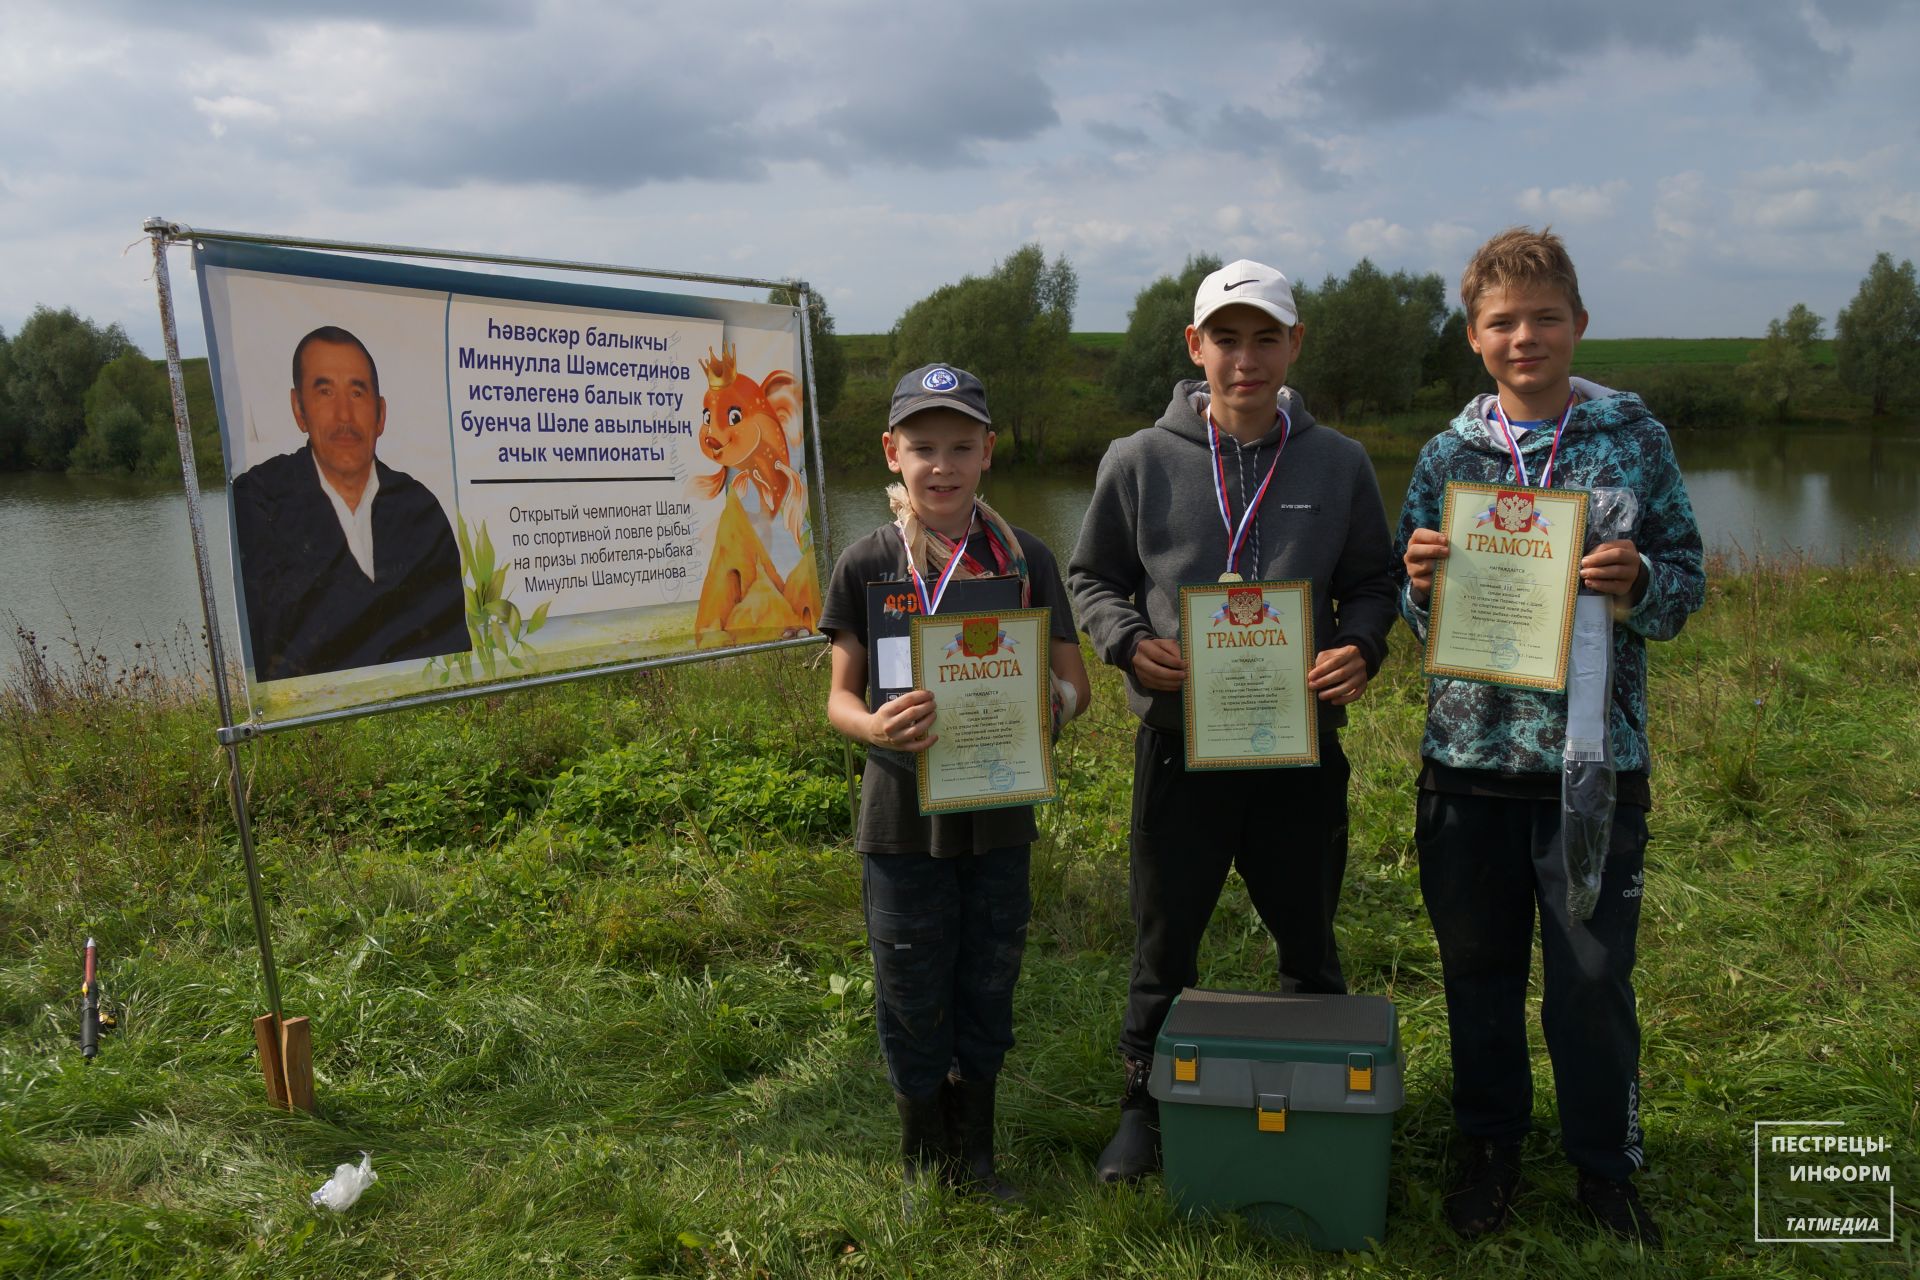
<point>288,1043</point>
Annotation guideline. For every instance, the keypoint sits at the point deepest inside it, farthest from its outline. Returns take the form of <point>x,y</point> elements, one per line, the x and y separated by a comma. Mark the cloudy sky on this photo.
<point>1711,162</point>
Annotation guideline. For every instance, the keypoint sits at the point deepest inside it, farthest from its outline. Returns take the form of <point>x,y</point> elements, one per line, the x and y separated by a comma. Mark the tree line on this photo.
<point>1377,343</point>
<point>78,396</point>
<point>1876,345</point>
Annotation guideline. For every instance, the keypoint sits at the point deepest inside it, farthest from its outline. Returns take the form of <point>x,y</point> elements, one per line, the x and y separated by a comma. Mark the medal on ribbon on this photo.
<point>1238,535</point>
<point>1513,446</point>
<point>930,601</point>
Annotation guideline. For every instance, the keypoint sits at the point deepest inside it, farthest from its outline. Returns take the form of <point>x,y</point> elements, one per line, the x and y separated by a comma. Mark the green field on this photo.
<point>1623,352</point>
<point>586,971</point>
<point>1629,352</point>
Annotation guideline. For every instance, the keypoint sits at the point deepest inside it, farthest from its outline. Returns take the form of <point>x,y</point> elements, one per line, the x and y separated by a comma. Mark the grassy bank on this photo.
<point>587,977</point>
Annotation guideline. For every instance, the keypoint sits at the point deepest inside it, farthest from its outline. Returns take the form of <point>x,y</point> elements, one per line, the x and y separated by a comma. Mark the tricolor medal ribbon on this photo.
<point>930,604</point>
<point>1237,536</point>
<point>1513,447</point>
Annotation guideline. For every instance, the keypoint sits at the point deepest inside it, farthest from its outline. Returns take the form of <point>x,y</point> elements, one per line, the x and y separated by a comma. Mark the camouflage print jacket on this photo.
<point>1611,440</point>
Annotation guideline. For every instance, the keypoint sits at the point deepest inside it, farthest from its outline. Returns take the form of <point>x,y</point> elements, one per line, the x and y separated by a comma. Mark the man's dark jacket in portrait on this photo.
<point>310,607</point>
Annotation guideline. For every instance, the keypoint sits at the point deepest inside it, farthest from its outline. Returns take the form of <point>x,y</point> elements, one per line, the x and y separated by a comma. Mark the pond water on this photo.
<point>111,561</point>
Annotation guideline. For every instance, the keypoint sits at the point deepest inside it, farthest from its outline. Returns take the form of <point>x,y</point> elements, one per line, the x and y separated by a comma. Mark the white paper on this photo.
<point>1588,682</point>
<point>896,662</point>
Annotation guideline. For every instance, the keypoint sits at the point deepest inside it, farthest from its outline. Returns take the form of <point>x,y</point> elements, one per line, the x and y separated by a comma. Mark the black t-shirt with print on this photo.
<point>890,820</point>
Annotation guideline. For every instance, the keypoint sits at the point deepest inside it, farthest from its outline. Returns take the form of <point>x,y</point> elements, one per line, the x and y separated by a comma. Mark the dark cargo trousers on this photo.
<point>1485,864</point>
<point>1284,830</point>
<point>947,937</point>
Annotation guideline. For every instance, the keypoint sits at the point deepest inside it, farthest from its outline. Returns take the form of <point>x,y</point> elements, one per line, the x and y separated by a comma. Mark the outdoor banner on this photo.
<point>440,478</point>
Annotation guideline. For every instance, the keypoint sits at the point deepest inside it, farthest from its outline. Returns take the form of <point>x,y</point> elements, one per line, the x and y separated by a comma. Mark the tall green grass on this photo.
<point>587,977</point>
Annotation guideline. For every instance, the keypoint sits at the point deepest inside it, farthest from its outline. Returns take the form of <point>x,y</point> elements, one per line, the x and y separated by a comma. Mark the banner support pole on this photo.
<point>822,544</point>
<point>280,1067</point>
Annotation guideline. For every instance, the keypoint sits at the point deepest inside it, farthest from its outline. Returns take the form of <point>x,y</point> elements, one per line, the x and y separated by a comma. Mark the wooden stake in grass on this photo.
<point>286,1060</point>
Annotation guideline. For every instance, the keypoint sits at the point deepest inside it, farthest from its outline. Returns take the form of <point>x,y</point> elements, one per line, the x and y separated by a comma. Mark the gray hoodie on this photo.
<point>1154,524</point>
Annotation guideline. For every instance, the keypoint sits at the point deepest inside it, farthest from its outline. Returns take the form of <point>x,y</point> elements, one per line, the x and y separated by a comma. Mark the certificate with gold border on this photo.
<point>1248,647</point>
<point>992,709</point>
<point>1502,607</point>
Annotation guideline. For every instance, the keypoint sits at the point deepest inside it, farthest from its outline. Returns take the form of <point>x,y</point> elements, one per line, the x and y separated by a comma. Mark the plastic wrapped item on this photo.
<point>340,1191</point>
<point>1587,786</point>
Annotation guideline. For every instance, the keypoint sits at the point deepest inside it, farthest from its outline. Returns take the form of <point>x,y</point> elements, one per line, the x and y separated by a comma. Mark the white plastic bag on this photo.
<point>340,1191</point>
<point>1588,787</point>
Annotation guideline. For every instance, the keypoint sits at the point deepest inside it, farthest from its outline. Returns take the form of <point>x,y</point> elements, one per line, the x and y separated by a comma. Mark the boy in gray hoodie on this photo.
<point>1235,478</point>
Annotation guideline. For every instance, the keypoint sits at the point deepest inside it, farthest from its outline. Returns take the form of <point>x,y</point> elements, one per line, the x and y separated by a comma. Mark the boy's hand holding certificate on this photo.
<point>1502,606</point>
<point>994,706</point>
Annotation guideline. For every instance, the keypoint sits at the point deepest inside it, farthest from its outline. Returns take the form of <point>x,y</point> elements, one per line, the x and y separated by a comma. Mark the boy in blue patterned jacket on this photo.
<point>1487,826</point>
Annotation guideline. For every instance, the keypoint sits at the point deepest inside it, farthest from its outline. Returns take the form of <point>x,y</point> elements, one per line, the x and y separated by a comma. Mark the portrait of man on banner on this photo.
<point>345,561</point>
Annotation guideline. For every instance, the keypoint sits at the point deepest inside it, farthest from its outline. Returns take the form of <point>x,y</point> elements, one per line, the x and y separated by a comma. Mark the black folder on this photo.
<point>892,607</point>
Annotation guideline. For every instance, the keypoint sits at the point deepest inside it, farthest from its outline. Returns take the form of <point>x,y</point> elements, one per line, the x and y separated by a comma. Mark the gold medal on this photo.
<point>1231,576</point>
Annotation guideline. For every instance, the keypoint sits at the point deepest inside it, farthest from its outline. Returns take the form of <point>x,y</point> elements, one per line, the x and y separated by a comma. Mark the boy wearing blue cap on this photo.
<point>946,896</point>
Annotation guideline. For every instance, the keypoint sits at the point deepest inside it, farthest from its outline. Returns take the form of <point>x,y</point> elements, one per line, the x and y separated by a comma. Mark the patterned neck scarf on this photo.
<point>932,551</point>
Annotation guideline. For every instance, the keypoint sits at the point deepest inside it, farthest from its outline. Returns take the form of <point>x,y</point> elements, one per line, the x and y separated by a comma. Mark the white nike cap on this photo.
<point>1252,283</point>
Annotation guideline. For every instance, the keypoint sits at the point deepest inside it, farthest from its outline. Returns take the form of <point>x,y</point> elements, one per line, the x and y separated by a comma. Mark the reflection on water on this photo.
<point>107,561</point>
<point>1821,494</point>
<point>1765,490</point>
<point>115,555</point>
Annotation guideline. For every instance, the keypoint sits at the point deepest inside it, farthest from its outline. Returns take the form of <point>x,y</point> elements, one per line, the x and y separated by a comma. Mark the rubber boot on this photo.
<point>1615,1205</point>
<point>1134,1150</point>
<point>969,1108</point>
<point>1485,1181</point>
<point>923,1148</point>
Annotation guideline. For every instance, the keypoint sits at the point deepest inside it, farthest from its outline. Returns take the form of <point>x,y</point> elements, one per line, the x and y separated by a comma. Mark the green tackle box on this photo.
<point>1280,1108</point>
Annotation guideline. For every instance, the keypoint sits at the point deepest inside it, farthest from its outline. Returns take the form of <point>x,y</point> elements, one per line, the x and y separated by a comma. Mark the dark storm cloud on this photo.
<point>628,100</point>
<point>608,97</point>
<point>612,97</point>
<point>241,19</point>
<point>1116,135</point>
<point>1249,131</point>
<point>608,138</point>
<point>1255,133</point>
<point>1379,60</point>
<point>1174,111</point>
<point>934,116</point>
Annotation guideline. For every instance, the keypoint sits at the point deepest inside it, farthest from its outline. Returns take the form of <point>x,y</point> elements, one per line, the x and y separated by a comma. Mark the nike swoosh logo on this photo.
<point>1229,288</point>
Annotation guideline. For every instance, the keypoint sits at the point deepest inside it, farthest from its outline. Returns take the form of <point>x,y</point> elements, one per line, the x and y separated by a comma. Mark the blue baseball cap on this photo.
<point>938,386</point>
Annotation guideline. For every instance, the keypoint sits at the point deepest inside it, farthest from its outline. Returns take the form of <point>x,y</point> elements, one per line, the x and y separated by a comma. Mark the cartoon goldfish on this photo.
<point>743,427</point>
<point>744,599</point>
